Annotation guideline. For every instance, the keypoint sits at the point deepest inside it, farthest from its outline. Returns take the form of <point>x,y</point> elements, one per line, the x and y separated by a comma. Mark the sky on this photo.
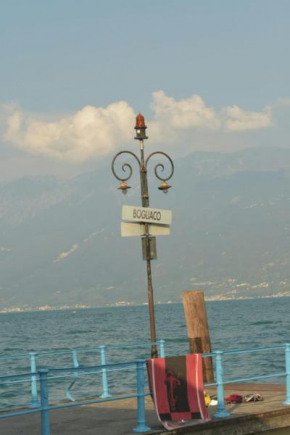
<point>207,75</point>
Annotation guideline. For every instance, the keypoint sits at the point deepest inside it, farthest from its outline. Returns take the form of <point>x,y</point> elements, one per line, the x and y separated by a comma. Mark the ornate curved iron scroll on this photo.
<point>161,166</point>
<point>125,166</point>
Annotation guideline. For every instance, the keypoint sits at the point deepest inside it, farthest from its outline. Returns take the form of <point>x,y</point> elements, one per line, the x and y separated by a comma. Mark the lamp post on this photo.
<point>147,239</point>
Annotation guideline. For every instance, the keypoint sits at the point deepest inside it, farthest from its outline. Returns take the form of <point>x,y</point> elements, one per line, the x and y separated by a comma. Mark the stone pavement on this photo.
<point>119,417</point>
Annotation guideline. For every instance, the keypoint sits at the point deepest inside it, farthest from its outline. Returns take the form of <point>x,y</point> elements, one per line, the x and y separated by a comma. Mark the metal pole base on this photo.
<point>34,405</point>
<point>221,414</point>
<point>142,428</point>
<point>104,396</point>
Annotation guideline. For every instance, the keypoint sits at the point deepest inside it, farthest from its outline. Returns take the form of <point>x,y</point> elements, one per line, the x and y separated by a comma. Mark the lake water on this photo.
<point>236,324</point>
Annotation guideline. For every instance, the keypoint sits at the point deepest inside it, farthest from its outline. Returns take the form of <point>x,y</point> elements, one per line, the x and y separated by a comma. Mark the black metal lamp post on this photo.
<point>147,239</point>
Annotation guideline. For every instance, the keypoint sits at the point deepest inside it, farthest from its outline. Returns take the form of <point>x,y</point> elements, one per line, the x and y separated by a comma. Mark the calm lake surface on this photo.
<point>233,325</point>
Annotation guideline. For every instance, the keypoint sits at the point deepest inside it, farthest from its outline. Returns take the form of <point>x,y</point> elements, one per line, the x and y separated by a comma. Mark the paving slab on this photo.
<point>119,417</point>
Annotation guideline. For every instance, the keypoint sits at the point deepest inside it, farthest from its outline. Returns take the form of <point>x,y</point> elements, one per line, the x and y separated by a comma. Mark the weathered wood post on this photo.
<point>197,329</point>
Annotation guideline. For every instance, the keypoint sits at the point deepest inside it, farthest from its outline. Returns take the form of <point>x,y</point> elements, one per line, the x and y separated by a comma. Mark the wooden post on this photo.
<point>197,329</point>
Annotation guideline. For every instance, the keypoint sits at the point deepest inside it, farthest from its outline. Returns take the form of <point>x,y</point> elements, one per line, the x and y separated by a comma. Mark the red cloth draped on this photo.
<point>176,386</point>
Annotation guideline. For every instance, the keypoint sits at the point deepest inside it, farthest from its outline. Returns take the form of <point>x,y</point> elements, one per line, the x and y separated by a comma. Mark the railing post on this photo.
<point>76,365</point>
<point>104,374</point>
<point>75,360</point>
<point>161,348</point>
<point>45,427</point>
<point>141,420</point>
<point>221,412</point>
<point>287,364</point>
<point>34,399</point>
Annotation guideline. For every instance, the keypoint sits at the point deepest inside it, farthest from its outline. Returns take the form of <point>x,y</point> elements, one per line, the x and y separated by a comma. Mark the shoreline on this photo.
<point>75,308</point>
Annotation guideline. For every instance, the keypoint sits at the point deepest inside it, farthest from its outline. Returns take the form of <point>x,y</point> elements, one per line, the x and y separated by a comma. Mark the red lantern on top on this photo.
<point>140,127</point>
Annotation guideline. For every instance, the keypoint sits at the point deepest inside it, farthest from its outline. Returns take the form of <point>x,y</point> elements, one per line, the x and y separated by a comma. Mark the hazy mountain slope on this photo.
<point>60,240</point>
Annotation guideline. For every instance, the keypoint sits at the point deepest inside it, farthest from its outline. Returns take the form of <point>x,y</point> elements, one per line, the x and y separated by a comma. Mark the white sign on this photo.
<point>131,229</point>
<point>144,214</point>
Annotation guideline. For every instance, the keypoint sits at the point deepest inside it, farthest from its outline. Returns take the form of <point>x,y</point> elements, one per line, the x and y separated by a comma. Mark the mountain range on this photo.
<point>60,241</point>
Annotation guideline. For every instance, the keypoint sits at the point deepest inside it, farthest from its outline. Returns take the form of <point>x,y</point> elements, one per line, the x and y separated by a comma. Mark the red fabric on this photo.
<point>195,392</point>
<point>176,386</point>
<point>163,405</point>
<point>234,398</point>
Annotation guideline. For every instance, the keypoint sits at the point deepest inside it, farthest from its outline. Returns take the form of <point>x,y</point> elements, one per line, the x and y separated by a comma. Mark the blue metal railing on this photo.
<point>44,408</point>
<point>35,357</point>
<point>44,375</point>
<point>218,355</point>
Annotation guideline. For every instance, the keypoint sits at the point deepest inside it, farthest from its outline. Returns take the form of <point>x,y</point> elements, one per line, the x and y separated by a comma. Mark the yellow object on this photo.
<point>207,398</point>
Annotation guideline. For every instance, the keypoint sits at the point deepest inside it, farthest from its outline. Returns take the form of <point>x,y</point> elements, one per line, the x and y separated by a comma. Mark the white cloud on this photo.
<point>184,114</point>
<point>89,132</point>
<point>237,119</point>
<point>171,115</point>
<point>283,102</point>
<point>96,131</point>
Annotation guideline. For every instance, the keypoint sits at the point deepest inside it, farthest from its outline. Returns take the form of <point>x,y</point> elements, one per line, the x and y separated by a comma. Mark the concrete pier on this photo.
<point>269,417</point>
